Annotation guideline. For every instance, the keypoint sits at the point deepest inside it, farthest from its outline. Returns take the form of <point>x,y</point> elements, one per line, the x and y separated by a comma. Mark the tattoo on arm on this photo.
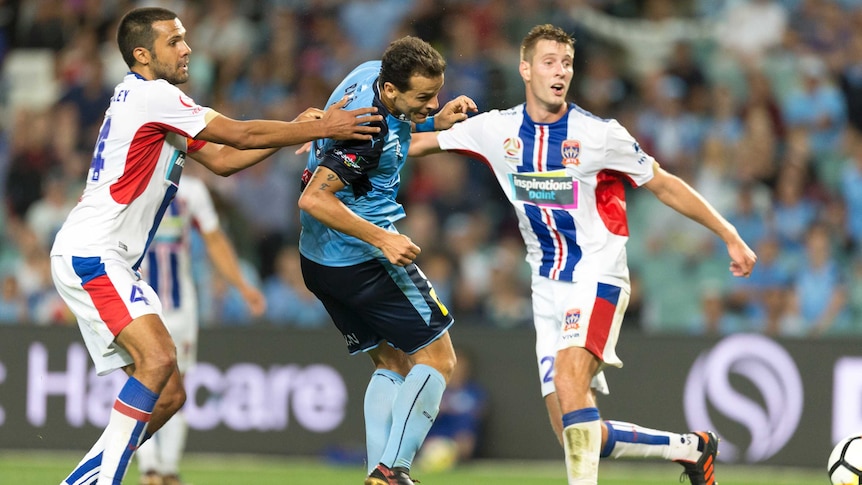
<point>323,186</point>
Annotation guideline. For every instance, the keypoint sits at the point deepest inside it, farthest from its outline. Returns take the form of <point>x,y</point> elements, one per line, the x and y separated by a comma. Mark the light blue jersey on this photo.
<point>369,169</point>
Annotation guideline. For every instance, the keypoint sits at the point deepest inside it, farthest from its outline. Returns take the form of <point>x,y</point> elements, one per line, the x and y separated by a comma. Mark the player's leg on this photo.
<point>390,367</point>
<point>182,324</point>
<point>591,316</point>
<point>119,320</point>
<point>418,401</point>
<point>141,404</point>
<point>582,429</point>
<point>148,461</point>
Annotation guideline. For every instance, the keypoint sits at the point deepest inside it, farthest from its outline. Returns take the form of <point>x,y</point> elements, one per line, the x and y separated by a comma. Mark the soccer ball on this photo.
<point>845,461</point>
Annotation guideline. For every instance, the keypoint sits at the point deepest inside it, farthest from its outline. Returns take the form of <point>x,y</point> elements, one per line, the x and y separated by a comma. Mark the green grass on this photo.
<point>38,468</point>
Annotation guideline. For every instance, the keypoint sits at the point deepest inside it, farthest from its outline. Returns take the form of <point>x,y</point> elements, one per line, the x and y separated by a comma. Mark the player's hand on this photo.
<point>400,250</point>
<point>350,124</point>
<point>310,114</point>
<point>453,112</point>
<point>254,299</point>
<point>742,258</point>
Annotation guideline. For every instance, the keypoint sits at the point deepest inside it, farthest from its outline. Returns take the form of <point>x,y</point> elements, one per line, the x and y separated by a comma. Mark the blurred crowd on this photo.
<point>756,103</point>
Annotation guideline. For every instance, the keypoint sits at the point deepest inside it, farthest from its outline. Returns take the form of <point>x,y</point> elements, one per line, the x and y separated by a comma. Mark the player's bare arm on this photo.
<point>422,144</point>
<point>319,200</point>
<point>681,197</point>
<point>453,112</point>
<point>336,123</point>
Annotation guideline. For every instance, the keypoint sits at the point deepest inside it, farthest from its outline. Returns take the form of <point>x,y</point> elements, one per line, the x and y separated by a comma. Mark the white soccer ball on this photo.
<point>845,462</point>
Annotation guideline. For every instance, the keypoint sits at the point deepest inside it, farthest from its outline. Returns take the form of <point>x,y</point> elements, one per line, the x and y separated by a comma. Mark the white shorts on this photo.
<point>182,323</point>
<point>105,295</point>
<point>583,314</point>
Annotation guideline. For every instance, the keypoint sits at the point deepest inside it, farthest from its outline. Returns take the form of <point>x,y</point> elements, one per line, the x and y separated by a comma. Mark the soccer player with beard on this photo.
<point>563,169</point>
<point>149,129</point>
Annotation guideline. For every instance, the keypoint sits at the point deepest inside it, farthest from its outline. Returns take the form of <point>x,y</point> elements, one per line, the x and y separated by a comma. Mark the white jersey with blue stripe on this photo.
<point>564,180</point>
<point>167,266</point>
<point>135,171</point>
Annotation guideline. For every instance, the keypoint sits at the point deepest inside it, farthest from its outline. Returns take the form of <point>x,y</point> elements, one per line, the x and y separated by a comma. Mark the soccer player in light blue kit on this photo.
<point>361,268</point>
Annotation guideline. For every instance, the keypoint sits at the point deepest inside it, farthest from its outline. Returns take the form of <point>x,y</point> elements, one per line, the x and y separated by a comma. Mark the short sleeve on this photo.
<point>623,154</point>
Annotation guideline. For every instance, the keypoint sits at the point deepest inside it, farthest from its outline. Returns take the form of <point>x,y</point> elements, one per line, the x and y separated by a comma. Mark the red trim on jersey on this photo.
<point>131,412</point>
<point>109,303</point>
<point>559,259</point>
<point>611,202</point>
<point>194,145</point>
<point>600,327</point>
<point>540,147</point>
<point>141,161</point>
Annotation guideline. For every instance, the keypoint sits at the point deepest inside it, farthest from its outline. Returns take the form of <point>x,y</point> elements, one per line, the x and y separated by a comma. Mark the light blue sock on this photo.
<point>413,412</point>
<point>379,397</point>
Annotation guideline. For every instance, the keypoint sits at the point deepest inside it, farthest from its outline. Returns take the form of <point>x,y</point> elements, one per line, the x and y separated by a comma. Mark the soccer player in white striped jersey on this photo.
<point>562,169</point>
<point>150,127</point>
<point>168,270</point>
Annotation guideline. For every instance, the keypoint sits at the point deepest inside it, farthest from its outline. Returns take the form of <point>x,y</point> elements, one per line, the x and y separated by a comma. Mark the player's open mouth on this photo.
<point>558,89</point>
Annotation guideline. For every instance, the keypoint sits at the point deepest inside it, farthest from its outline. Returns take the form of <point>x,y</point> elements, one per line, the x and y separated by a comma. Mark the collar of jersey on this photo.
<point>133,73</point>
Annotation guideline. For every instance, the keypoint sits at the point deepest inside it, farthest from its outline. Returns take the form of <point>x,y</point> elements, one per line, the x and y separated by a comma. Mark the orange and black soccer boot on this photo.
<point>702,471</point>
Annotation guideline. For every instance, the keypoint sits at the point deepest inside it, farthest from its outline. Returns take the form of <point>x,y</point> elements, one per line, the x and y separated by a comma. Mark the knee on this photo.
<point>172,399</point>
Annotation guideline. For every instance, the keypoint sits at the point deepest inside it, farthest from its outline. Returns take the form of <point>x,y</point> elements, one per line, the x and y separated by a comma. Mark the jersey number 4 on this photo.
<point>98,162</point>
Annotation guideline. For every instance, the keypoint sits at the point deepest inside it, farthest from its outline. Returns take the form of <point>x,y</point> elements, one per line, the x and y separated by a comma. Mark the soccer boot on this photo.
<point>172,480</point>
<point>150,478</point>
<point>702,471</point>
<point>383,475</point>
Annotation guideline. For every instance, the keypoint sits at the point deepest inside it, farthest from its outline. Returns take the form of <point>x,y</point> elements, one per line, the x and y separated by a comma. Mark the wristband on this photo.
<point>427,125</point>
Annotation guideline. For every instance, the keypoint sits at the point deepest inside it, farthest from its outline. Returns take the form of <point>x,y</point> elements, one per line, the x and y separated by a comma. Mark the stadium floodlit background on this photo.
<point>756,103</point>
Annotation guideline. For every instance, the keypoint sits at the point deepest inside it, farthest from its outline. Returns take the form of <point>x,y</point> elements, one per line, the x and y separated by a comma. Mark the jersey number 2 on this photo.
<point>98,162</point>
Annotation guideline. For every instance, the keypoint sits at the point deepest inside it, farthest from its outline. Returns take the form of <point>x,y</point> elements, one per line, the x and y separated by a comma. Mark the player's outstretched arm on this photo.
<point>335,123</point>
<point>678,195</point>
<point>422,144</point>
<point>319,200</point>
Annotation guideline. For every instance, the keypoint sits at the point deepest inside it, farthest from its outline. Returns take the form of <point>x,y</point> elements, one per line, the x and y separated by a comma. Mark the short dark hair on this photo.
<point>407,57</point>
<point>544,32</point>
<point>136,30</point>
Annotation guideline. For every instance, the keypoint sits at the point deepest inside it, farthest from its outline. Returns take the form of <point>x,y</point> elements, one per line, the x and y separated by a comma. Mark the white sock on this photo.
<point>148,454</point>
<point>627,440</point>
<point>172,443</point>
<point>582,440</point>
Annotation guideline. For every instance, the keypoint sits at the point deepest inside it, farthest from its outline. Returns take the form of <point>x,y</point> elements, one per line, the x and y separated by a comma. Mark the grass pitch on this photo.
<point>41,468</point>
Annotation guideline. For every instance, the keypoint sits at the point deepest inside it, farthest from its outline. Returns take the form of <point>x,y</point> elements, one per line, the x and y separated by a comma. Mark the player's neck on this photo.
<point>542,113</point>
<point>143,72</point>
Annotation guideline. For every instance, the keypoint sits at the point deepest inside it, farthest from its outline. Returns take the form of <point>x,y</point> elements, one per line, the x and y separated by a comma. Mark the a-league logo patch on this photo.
<point>572,320</point>
<point>512,148</point>
<point>570,150</point>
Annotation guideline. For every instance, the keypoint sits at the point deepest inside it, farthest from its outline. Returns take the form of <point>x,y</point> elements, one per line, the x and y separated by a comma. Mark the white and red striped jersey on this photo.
<point>167,266</point>
<point>565,181</point>
<point>135,172</point>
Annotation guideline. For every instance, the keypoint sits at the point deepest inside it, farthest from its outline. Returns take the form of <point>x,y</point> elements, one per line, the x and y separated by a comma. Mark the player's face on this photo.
<point>417,102</point>
<point>548,74</point>
<point>170,56</point>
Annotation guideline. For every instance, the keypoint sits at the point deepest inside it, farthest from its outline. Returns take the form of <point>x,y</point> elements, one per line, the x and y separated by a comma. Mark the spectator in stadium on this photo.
<point>556,163</point>
<point>361,267</point>
<point>289,301</point>
<point>149,129</point>
<point>167,267</point>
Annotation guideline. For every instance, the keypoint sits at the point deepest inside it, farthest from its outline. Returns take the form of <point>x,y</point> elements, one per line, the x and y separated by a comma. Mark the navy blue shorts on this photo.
<point>376,300</point>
